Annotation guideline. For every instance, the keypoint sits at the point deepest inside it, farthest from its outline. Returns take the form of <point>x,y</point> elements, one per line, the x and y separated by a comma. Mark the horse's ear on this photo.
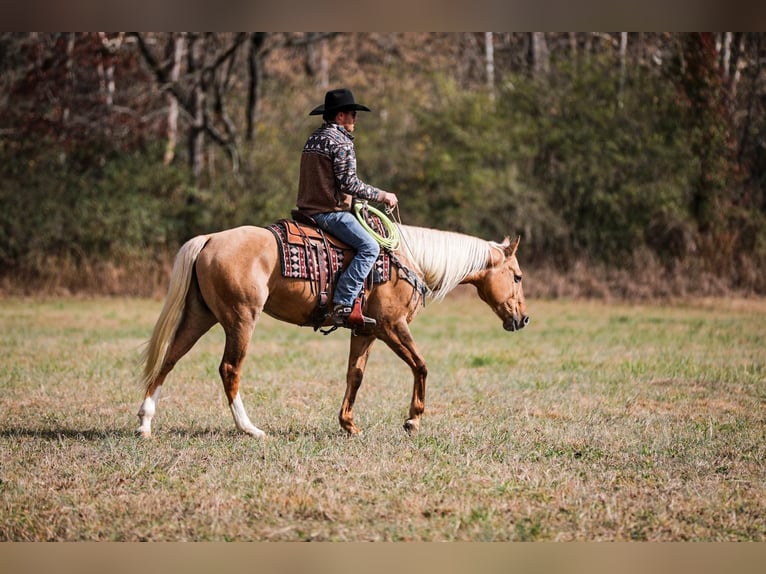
<point>510,248</point>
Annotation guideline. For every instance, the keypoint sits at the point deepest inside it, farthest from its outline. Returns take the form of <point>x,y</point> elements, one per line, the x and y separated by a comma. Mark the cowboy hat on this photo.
<point>339,100</point>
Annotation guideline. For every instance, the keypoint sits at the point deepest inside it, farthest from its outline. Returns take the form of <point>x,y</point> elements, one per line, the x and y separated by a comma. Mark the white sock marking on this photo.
<point>242,420</point>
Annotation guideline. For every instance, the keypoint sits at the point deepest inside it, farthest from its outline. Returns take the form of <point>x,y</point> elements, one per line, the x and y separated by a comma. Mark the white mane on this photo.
<point>443,258</point>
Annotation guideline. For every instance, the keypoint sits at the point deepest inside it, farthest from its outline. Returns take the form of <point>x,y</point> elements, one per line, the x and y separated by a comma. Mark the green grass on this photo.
<point>597,422</point>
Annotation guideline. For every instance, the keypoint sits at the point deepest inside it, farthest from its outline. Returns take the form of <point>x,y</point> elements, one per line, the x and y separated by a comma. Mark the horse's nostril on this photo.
<point>525,321</point>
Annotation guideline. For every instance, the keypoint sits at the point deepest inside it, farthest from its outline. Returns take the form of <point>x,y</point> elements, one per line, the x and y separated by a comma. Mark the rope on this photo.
<point>391,240</point>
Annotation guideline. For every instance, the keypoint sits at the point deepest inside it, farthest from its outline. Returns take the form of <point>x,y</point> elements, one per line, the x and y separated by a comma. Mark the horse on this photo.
<point>233,276</point>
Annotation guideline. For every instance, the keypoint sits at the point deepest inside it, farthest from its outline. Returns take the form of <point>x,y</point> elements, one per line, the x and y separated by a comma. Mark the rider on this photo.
<point>328,182</point>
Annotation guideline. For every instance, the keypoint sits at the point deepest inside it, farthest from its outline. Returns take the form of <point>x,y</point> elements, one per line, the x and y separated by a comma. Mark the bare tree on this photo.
<point>489,51</point>
<point>573,45</point>
<point>259,49</point>
<point>623,65</point>
<point>738,48</point>
<point>723,45</point>
<point>70,77</point>
<point>106,66</point>
<point>200,91</point>
<point>540,54</point>
<point>255,56</point>
<point>178,48</point>
<point>317,64</point>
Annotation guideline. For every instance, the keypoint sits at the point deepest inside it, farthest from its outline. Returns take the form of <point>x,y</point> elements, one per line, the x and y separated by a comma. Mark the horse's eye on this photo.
<point>517,278</point>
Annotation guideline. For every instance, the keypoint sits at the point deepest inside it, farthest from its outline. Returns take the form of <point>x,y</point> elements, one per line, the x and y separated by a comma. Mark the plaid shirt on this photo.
<point>328,179</point>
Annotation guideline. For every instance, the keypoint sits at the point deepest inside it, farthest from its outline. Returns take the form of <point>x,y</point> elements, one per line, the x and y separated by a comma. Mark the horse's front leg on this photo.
<point>399,338</point>
<point>357,361</point>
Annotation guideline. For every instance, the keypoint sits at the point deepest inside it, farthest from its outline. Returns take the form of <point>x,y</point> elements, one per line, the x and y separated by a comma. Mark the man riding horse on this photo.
<point>328,184</point>
<point>233,277</point>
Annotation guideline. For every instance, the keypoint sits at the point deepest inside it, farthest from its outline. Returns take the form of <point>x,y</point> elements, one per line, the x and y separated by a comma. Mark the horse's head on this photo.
<point>499,286</point>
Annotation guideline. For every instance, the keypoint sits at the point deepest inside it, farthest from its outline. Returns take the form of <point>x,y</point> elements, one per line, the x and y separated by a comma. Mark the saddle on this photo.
<point>307,252</point>
<point>303,226</point>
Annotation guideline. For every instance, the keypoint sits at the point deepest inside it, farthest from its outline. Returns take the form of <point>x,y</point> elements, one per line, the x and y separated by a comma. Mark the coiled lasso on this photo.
<point>391,240</point>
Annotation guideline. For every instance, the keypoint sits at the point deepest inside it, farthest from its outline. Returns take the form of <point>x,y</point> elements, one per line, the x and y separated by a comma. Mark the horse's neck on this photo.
<point>443,258</point>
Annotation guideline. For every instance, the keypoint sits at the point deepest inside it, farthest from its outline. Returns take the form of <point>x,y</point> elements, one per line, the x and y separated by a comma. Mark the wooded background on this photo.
<point>632,164</point>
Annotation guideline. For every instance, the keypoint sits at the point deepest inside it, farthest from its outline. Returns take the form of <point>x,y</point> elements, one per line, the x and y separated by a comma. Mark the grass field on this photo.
<point>597,422</point>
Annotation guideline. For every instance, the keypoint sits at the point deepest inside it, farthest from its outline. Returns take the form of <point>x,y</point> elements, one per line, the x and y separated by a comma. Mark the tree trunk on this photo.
<point>756,46</point>
<point>179,46</point>
<point>738,46</point>
<point>623,65</point>
<point>69,76</point>
<point>198,102</point>
<point>540,55</point>
<point>709,120</point>
<point>254,82</point>
<point>573,50</point>
<point>109,47</point>
<point>317,63</point>
<point>725,49</point>
<point>490,63</point>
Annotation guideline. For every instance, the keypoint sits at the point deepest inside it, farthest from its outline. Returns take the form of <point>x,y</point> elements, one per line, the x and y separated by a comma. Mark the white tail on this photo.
<point>172,312</point>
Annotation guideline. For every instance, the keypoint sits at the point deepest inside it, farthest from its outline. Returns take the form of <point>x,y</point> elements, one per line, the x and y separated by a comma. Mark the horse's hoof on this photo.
<point>352,430</point>
<point>144,434</point>
<point>411,426</point>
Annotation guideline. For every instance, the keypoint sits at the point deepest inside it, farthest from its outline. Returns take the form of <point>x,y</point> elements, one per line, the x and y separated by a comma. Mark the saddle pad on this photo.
<point>299,253</point>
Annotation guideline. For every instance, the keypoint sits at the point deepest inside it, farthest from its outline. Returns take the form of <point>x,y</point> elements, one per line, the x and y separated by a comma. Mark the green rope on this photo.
<point>391,240</point>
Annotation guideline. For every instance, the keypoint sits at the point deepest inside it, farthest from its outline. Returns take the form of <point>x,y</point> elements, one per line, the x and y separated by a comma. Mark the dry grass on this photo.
<point>597,422</point>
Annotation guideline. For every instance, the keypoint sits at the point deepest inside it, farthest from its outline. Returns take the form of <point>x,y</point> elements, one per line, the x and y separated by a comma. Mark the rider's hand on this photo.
<point>390,199</point>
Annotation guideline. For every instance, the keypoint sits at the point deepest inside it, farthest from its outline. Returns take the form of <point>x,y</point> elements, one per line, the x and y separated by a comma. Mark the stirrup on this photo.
<point>351,317</point>
<point>357,318</point>
<point>339,317</point>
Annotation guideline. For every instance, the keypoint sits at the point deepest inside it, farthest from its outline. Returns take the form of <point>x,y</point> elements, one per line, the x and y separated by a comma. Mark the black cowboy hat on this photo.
<point>340,100</point>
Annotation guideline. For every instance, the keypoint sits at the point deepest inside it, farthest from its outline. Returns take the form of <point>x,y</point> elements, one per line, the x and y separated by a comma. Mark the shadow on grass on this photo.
<point>64,433</point>
<point>287,434</point>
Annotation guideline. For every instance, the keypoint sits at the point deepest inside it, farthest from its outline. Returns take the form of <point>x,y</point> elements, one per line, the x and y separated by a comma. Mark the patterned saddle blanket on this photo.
<point>306,252</point>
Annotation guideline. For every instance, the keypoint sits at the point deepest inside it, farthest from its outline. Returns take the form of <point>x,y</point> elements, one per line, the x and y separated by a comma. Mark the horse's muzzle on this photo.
<point>516,324</point>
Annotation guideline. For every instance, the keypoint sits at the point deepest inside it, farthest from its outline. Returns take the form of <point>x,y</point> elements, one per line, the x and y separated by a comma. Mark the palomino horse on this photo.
<point>233,276</point>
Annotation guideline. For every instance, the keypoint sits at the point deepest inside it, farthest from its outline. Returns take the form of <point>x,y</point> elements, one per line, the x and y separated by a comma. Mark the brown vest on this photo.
<point>317,189</point>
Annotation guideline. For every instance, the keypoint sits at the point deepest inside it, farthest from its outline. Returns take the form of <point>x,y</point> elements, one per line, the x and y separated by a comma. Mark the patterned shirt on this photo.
<point>328,179</point>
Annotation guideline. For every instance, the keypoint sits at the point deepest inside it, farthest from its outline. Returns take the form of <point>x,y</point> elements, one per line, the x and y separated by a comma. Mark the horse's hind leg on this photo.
<point>196,321</point>
<point>237,340</point>
<point>401,342</point>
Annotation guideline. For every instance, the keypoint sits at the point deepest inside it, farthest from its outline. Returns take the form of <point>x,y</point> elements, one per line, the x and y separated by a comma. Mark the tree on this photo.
<point>255,80</point>
<point>80,91</point>
<point>200,90</point>
<point>539,54</point>
<point>178,49</point>
<point>704,95</point>
<point>489,50</point>
<point>595,141</point>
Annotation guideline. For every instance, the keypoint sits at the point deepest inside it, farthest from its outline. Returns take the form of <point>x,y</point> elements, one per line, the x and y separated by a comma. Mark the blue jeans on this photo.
<point>345,226</point>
